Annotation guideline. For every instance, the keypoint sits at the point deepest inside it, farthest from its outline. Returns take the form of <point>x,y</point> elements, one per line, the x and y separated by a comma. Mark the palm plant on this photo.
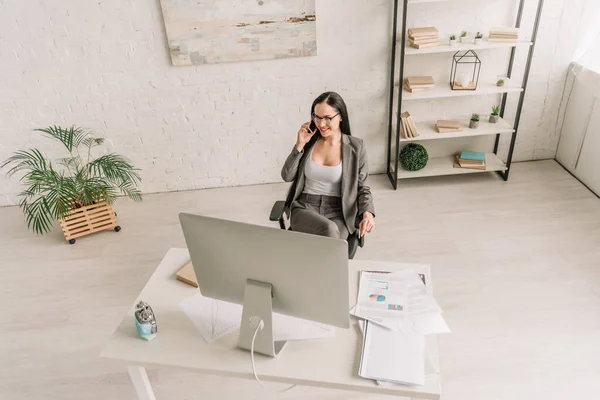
<point>53,190</point>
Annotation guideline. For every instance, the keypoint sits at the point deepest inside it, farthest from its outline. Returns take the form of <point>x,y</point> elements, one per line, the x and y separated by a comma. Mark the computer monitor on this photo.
<point>268,269</point>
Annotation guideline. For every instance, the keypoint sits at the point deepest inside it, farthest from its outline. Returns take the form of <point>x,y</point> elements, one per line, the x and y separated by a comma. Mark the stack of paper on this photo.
<point>504,35</point>
<point>398,312</point>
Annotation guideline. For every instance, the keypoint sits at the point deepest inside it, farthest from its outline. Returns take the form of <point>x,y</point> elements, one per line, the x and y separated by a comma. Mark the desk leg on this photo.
<point>141,383</point>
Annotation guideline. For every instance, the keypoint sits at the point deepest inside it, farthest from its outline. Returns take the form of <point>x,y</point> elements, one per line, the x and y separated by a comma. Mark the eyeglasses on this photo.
<point>328,120</point>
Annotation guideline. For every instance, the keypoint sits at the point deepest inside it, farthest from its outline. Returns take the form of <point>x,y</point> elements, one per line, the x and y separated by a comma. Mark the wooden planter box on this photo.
<point>89,219</point>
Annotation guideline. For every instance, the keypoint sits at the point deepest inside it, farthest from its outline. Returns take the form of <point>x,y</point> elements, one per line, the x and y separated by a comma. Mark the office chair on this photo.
<point>277,214</point>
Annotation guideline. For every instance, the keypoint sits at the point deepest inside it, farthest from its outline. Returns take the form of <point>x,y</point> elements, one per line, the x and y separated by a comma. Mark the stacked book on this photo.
<point>422,38</point>
<point>504,35</point>
<point>446,126</point>
<point>471,160</point>
<point>409,128</point>
<point>418,83</point>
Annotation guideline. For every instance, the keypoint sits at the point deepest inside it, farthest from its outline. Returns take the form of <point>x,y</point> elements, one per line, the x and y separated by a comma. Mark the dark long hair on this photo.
<point>335,101</point>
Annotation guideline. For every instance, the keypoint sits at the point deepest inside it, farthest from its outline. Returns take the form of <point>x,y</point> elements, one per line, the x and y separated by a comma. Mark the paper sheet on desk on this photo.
<point>428,366</point>
<point>398,301</point>
<point>381,298</point>
<point>392,356</point>
<point>419,302</point>
<point>215,319</point>
<point>426,324</point>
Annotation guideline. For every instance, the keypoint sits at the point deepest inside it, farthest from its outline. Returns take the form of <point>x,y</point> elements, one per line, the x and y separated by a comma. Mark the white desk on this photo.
<point>329,363</point>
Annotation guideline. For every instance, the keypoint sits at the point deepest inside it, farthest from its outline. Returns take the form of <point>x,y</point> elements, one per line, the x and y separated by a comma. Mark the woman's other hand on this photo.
<point>304,135</point>
<point>367,224</point>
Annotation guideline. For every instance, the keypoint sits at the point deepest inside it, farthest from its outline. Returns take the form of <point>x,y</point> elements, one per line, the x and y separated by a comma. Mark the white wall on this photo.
<point>579,147</point>
<point>104,65</point>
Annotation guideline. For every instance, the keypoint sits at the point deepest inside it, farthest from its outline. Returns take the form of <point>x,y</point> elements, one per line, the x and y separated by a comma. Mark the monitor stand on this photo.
<point>258,305</point>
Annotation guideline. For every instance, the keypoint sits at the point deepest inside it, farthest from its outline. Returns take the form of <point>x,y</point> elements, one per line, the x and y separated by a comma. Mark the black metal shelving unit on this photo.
<point>394,134</point>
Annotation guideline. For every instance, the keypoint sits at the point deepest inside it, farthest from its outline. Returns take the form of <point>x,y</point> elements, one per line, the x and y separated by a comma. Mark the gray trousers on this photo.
<point>319,215</point>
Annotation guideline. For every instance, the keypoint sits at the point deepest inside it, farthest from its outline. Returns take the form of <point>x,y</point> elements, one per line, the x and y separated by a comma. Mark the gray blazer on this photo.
<point>356,194</point>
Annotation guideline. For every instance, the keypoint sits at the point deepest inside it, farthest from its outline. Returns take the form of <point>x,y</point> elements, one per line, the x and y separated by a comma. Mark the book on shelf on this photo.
<point>416,89</point>
<point>469,164</point>
<point>423,41</point>
<point>409,128</point>
<point>505,30</point>
<point>472,155</point>
<point>424,31</point>
<point>504,35</point>
<point>446,130</point>
<point>405,132</point>
<point>418,83</point>
<point>419,80</point>
<point>422,38</point>
<point>447,126</point>
<point>425,46</point>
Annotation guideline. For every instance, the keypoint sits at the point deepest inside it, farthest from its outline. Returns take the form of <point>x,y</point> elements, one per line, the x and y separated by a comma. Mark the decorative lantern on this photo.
<point>466,66</point>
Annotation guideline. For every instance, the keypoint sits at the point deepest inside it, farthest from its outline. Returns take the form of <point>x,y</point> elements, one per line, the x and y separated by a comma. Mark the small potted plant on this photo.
<point>478,38</point>
<point>463,36</point>
<point>474,123</point>
<point>78,190</point>
<point>500,82</point>
<point>452,40</point>
<point>495,116</point>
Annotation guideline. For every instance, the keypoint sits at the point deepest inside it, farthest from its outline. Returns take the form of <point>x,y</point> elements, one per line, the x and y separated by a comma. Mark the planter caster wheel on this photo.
<point>72,241</point>
<point>117,228</point>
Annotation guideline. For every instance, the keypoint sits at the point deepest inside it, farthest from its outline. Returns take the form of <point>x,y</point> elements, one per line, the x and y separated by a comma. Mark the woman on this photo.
<point>329,171</point>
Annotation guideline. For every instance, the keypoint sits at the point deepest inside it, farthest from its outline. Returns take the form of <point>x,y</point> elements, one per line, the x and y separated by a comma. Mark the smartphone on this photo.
<point>313,126</point>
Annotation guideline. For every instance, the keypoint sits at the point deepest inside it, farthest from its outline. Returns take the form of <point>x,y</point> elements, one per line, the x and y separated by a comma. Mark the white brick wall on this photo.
<point>104,65</point>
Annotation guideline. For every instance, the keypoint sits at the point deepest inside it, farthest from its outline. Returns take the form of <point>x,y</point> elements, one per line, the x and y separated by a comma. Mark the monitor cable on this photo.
<point>259,327</point>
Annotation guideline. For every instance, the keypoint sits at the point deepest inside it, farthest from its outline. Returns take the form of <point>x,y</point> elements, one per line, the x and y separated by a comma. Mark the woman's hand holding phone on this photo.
<point>304,135</point>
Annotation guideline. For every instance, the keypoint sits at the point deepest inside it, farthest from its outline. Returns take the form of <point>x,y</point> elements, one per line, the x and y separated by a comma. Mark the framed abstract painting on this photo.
<point>220,31</point>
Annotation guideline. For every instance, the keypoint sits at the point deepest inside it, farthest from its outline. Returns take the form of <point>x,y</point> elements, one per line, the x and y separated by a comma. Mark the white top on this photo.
<point>329,363</point>
<point>322,180</point>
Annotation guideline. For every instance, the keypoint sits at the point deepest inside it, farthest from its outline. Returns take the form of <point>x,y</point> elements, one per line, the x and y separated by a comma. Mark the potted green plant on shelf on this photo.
<point>495,116</point>
<point>500,82</point>
<point>77,190</point>
<point>463,36</point>
<point>453,40</point>
<point>478,38</point>
<point>474,123</point>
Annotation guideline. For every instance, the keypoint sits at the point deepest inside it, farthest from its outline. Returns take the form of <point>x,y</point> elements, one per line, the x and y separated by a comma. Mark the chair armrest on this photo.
<point>277,211</point>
